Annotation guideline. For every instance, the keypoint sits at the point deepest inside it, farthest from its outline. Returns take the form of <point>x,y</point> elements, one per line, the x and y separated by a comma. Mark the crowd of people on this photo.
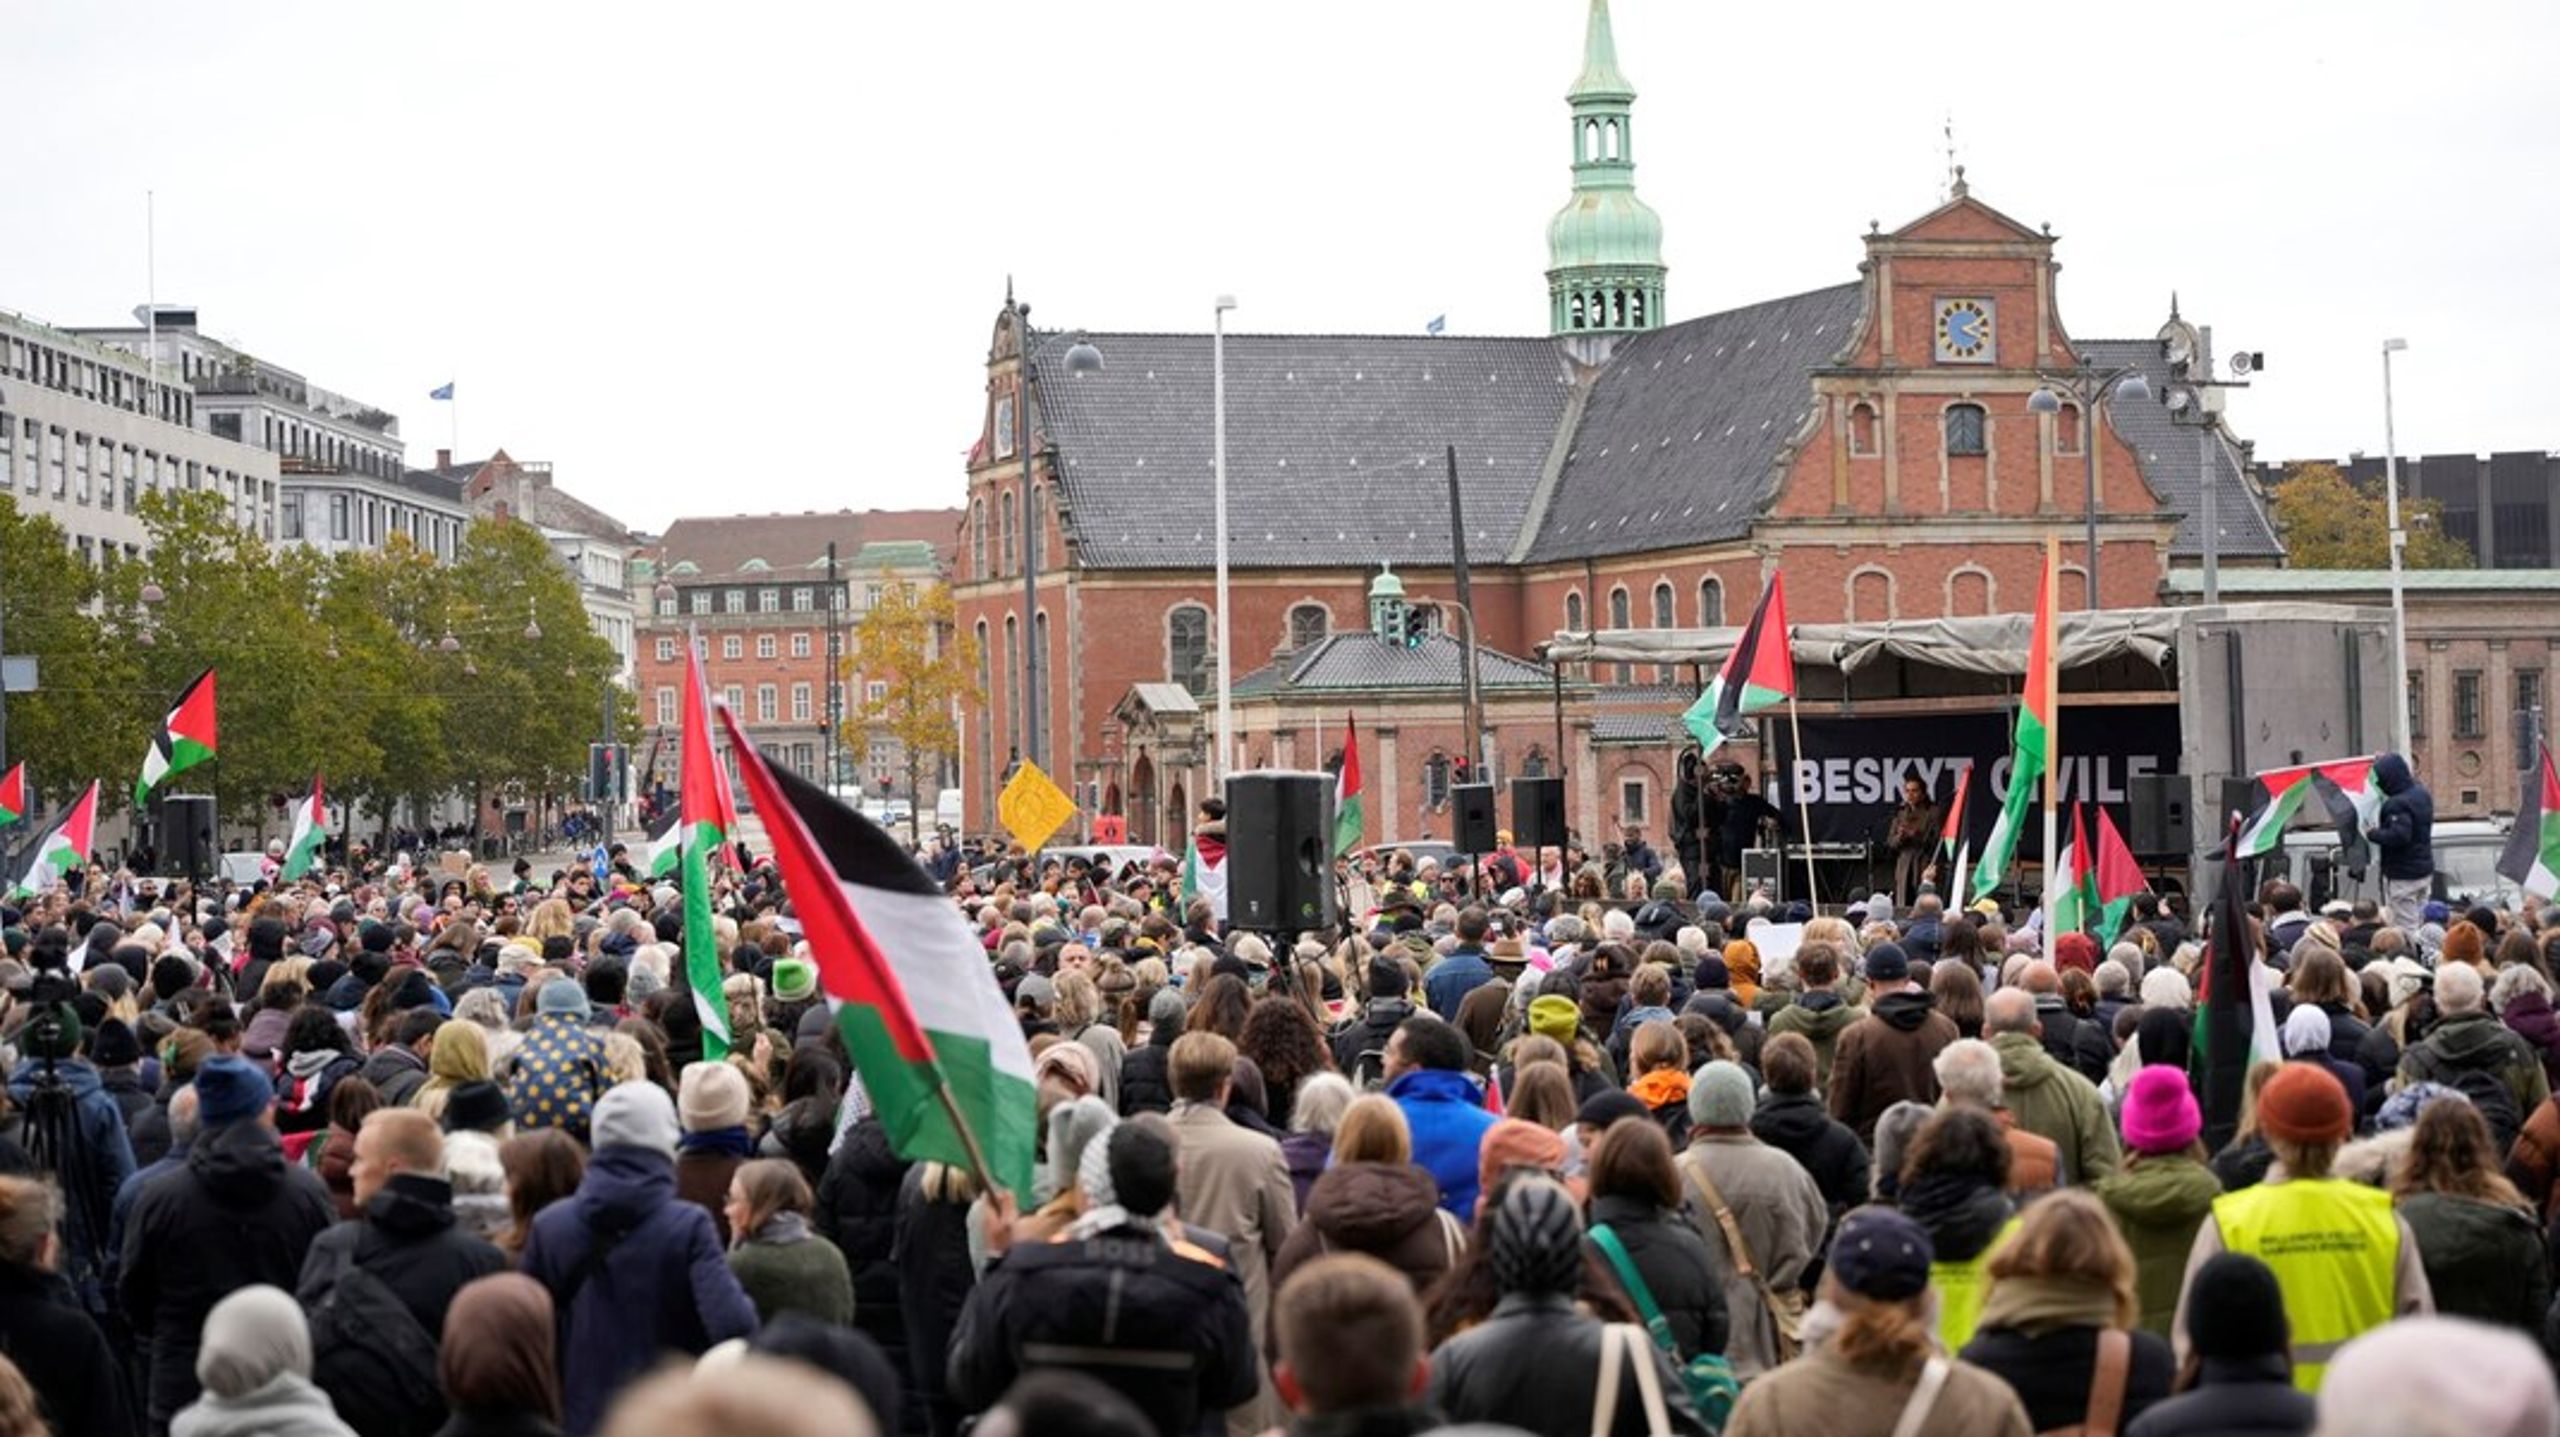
<point>419,1148</point>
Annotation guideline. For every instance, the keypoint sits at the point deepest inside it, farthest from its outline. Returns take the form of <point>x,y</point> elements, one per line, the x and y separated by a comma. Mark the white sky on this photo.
<point>744,257</point>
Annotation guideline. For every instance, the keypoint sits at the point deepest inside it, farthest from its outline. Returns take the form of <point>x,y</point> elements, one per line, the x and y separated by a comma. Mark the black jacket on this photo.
<point>1119,1297</point>
<point>1798,1126</point>
<point>1369,1032</point>
<point>858,1212</point>
<point>124,1085</point>
<point>396,1073</point>
<point>496,1424</point>
<point>76,1376</point>
<point>934,1278</point>
<point>1676,1267</point>
<point>236,1214</point>
<point>2051,1373</point>
<point>407,1238</point>
<point>2075,1042</point>
<point>2234,1397</point>
<point>2404,830</point>
<point>1535,1365</point>
<point>1145,1086</point>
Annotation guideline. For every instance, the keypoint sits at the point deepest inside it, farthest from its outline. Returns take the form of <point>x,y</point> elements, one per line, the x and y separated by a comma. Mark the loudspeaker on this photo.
<point>1279,851</point>
<point>2239,797</point>
<point>2161,826</point>
<point>1537,812</point>
<point>187,846</point>
<point>1473,804</point>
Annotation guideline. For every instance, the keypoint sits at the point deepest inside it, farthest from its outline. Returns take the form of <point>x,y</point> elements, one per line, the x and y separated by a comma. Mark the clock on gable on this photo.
<point>1964,332</point>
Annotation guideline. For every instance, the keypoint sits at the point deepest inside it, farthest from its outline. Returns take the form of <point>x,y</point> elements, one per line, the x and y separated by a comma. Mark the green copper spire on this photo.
<point>1604,248</point>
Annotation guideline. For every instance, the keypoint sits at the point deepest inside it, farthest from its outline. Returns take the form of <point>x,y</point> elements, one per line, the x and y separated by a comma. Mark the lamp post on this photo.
<point>1081,359</point>
<point>2398,540</point>
<point>1218,481</point>
<point>2092,388</point>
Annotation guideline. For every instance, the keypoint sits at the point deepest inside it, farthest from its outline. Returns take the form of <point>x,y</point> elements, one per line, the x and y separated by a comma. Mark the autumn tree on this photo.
<point>908,643</point>
<point>86,718</point>
<point>2329,523</point>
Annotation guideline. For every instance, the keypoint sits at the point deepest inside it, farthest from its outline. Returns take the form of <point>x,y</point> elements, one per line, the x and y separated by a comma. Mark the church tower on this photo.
<point>1604,248</point>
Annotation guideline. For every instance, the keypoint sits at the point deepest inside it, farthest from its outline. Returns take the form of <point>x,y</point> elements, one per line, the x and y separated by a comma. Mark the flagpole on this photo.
<point>2052,741</point>
<point>978,1167</point>
<point>1804,811</point>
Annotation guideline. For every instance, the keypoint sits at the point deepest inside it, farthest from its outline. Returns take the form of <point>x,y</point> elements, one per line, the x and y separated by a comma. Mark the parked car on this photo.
<point>2466,852</point>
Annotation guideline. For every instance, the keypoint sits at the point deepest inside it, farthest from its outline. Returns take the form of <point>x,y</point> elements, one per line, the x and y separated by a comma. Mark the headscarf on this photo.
<point>460,1055</point>
<point>251,1338</point>
<point>1742,965</point>
<point>497,1353</point>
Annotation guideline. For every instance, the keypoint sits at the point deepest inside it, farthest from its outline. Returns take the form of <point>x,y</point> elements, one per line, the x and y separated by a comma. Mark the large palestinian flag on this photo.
<point>65,848</point>
<point>940,1052</point>
<point>703,811</point>
<point>310,830</point>
<point>2032,750</point>
<point>664,852</point>
<point>2118,877</point>
<point>185,739</point>
<point>1349,816</point>
<point>2532,856</point>
<point>2346,788</point>
<point>1759,674</point>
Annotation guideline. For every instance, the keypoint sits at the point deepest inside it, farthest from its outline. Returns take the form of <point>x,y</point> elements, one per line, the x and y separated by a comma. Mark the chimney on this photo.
<point>444,459</point>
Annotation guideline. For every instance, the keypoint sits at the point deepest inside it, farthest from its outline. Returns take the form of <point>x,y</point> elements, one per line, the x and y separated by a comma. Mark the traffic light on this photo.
<point>604,772</point>
<point>1415,628</point>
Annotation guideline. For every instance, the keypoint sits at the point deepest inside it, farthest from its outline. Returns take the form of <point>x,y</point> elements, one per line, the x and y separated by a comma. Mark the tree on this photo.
<point>529,678</point>
<point>86,718</point>
<point>909,644</point>
<point>2329,523</point>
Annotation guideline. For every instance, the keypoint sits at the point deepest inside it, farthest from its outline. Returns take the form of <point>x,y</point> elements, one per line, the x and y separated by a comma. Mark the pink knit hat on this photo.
<point>2160,1114</point>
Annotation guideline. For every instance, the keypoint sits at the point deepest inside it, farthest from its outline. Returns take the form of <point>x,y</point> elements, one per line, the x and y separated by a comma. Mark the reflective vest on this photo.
<point>1960,1287</point>
<point>2334,1247</point>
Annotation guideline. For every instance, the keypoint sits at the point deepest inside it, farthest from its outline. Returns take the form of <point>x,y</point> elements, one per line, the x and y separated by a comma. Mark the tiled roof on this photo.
<point>442,488</point>
<point>724,544</point>
<point>2326,582</point>
<point>1620,727</point>
<point>2168,451</point>
<point>553,507</point>
<point>1334,446</point>
<point>1356,660</point>
<point>1679,443</point>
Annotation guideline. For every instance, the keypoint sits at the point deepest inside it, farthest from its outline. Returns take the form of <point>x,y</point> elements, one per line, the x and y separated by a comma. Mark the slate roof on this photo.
<point>1613,727</point>
<point>722,544</point>
<point>1356,660</point>
<point>1680,440</point>
<point>439,487</point>
<point>2168,452</point>
<point>2329,582</point>
<point>1334,446</point>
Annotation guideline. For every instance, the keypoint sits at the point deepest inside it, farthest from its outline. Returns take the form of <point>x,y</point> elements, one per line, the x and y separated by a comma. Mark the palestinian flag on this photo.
<point>2068,888</point>
<point>64,849</point>
<point>2117,877</point>
<point>2032,748</point>
<point>1759,674</point>
<point>1350,817</point>
<point>185,739</point>
<point>2235,1024</point>
<point>2532,856</point>
<point>2345,787</point>
<point>1953,843</point>
<point>13,794</point>
<point>660,857</point>
<point>939,1050</point>
<point>1204,873</point>
<point>703,792</point>
<point>310,830</point>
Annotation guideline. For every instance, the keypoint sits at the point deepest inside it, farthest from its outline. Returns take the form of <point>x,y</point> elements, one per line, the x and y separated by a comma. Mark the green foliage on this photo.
<point>88,719</point>
<point>2329,523</point>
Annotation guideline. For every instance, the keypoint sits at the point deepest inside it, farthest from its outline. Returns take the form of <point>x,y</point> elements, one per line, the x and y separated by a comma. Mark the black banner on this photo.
<point>1853,767</point>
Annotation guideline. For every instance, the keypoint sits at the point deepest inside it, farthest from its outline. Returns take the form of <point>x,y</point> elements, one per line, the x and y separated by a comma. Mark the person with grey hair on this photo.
<point>1145,1084</point>
<point>2045,1097</point>
<point>1895,1129</point>
<point>1969,1076</point>
<point>2521,997</point>
<point>2468,1038</point>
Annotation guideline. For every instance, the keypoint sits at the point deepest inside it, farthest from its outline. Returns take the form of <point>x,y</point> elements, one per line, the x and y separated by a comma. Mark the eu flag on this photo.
<point>441,391</point>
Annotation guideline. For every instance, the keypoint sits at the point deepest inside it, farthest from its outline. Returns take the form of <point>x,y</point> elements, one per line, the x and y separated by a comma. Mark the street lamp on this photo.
<point>2092,389</point>
<point>1218,480</point>
<point>2399,540</point>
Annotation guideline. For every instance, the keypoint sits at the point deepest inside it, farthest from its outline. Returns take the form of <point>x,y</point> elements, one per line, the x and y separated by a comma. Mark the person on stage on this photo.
<point>1913,837</point>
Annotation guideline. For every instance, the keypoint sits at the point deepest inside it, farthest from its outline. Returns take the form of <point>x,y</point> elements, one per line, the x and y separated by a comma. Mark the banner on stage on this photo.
<point>1852,768</point>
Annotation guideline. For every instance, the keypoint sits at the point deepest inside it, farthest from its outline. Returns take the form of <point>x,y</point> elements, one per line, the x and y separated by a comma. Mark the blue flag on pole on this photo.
<point>1439,324</point>
<point>441,391</point>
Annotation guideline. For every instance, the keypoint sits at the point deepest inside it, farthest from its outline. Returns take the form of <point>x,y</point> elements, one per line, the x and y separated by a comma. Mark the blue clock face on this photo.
<point>1964,331</point>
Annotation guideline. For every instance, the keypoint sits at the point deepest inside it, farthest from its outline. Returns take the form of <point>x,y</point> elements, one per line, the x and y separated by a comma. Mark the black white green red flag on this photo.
<point>2346,787</point>
<point>939,1050</point>
<point>13,794</point>
<point>1953,842</point>
<point>2032,749</point>
<point>185,739</point>
<point>310,831</point>
<point>704,808</point>
<point>1758,675</point>
<point>2532,855</point>
<point>67,847</point>
<point>1349,815</point>
<point>2117,876</point>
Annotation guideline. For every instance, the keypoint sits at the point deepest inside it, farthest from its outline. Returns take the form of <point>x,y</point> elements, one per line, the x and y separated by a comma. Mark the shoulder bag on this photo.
<point>1623,1339</point>
<point>1708,1376</point>
<point>1787,1310</point>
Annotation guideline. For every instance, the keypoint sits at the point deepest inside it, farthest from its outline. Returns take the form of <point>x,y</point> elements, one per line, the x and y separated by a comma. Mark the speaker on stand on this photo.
<point>1537,812</point>
<point>187,846</point>
<point>1279,851</point>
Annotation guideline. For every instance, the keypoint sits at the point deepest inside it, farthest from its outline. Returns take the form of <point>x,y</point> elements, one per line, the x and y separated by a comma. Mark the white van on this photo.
<point>2466,852</point>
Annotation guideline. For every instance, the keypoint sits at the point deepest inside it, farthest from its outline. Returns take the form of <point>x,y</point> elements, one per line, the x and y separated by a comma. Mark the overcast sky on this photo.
<point>713,258</point>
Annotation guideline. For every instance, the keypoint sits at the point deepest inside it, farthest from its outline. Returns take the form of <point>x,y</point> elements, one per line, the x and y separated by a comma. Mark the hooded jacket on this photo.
<point>2484,1260</point>
<point>105,1156</point>
<point>2404,829</point>
<point>1390,1211</point>
<point>1885,1060</point>
<point>236,1214</point>
<point>2159,1201</point>
<point>2054,1102</point>
<point>406,1237</point>
<point>1145,1083</point>
<point>1821,1016</point>
<point>2234,1397</point>
<point>397,1073</point>
<point>1535,1365</point>
<point>666,1287</point>
<point>1675,1265</point>
<point>1795,1124</point>
<point>2529,1017</point>
<point>288,1406</point>
<point>1369,1034</point>
<point>2477,1042</point>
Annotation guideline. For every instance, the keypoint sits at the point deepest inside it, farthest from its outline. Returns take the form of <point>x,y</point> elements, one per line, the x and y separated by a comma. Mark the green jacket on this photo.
<point>808,1276</point>
<point>1820,1025</point>
<point>2052,1101</point>
<point>2158,1203</point>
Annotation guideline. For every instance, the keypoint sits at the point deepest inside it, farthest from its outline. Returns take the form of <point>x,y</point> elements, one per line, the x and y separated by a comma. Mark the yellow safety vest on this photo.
<point>1960,1287</point>
<point>2334,1247</point>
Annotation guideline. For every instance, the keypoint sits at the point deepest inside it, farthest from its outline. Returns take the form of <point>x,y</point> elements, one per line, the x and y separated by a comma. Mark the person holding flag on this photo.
<point>310,833</point>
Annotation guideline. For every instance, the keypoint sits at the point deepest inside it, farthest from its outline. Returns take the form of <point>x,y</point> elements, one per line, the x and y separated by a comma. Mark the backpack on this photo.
<point>371,1355</point>
<point>2496,1101</point>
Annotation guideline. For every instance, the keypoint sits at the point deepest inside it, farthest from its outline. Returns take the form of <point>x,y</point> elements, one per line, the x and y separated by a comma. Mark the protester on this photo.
<point>2058,1320</point>
<point>254,1368</point>
<point>1637,1217</point>
<point>1375,1201</point>
<point>2164,1191</point>
<point>1791,1119</point>
<point>1969,1076</point>
<point>1426,1070</point>
<point>2047,1098</point>
<point>1351,1364</point>
<point>2402,834</point>
<point>1760,1213</point>
<point>1954,1183</point>
<point>1884,1058</point>
<point>2439,1374</point>
<point>2477,1236</point>
<point>2238,1376</point>
<point>497,1369</point>
<point>78,1383</point>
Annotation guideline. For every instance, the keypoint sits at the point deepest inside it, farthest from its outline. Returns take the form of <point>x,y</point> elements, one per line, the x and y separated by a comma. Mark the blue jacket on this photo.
<point>2404,829</point>
<point>1447,1116</point>
<point>1453,978</point>
<point>665,1287</point>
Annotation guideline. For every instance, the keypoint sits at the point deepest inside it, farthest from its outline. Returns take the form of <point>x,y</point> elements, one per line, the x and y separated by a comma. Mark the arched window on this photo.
<point>1035,524</point>
<point>2072,590</point>
<point>1005,500</point>
<point>1186,647</point>
<point>1573,611</point>
<point>1665,616</point>
<point>1864,431</point>
<point>986,685</point>
<point>1965,430</point>
<point>978,527</point>
<point>1013,674</point>
<point>1870,595</point>
<point>1969,591</point>
<point>1580,320</point>
<point>1435,781</point>
<point>1710,603</point>
<point>1308,624</point>
<point>1621,618</point>
<point>1590,140</point>
<point>1533,764</point>
<point>1609,141</point>
<point>2066,430</point>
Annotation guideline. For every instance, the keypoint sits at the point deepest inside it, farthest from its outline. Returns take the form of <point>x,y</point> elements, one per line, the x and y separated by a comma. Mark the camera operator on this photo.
<point>1746,816</point>
<point>72,1129</point>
